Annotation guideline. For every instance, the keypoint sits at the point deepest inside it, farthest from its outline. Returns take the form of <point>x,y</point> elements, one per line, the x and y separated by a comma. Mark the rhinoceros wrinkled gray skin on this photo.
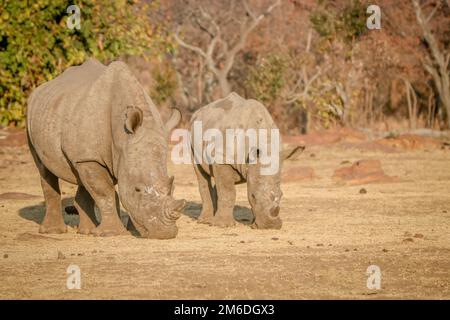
<point>263,191</point>
<point>94,126</point>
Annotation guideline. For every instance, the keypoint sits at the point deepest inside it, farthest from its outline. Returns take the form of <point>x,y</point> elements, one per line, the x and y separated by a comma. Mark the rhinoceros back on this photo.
<point>233,112</point>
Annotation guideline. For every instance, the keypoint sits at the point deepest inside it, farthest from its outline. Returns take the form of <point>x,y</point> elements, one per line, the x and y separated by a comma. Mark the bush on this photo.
<point>267,78</point>
<point>36,45</point>
<point>165,83</point>
<point>347,23</point>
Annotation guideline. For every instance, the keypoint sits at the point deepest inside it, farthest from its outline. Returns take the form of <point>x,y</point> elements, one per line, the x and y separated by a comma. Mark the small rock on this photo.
<point>407,234</point>
<point>319,245</point>
<point>444,211</point>
<point>80,254</point>
<point>275,238</point>
<point>242,241</point>
<point>5,256</point>
<point>94,251</point>
<point>362,191</point>
<point>307,247</point>
<point>355,249</point>
<point>408,240</point>
<point>418,235</point>
<point>61,255</point>
<point>345,162</point>
<point>330,245</point>
<point>347,250</point>
<point>384,250</point>
<point>291,243</point>
<point>312,155</point>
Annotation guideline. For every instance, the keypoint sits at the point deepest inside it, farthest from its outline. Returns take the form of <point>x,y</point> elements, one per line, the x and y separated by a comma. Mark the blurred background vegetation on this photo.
<point>36,45</point>
<point>313,63</point>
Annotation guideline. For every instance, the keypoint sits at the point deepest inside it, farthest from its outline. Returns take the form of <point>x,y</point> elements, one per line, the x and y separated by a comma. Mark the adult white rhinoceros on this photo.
<point>94,126</point>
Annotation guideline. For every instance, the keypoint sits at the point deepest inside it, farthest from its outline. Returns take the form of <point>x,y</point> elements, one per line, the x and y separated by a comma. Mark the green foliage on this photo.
<point>347,23</point>
<point>36,45</point>
<point>267,78</point>
<point>275,76</point>
<point>165,83</point>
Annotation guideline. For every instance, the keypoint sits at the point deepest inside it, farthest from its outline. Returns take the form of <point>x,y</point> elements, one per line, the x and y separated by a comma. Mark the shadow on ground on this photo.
<point>241,214</point>
<point>36,213</point>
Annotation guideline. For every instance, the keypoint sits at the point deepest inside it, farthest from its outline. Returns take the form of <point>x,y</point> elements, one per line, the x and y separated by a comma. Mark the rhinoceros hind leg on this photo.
<point>208,195</point>
<point>98,182</point>
<point>226,196</point>
<point>53,221</point>
<point>85,206</point>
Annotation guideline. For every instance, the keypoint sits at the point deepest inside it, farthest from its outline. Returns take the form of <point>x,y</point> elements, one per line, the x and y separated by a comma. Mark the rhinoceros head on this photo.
<point>264,193</point>
<point>145,189</point>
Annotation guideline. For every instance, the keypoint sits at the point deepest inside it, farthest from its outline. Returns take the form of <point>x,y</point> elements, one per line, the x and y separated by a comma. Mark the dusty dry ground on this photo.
<point>331,234</point>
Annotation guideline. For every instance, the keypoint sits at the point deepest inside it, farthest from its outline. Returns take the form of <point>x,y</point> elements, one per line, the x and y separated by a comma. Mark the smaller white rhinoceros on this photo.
<point>263,190</point>
<point>94,126</point>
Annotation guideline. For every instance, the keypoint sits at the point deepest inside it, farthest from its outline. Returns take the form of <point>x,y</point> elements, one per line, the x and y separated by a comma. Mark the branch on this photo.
<point>428,35</point>
<point>208,17</point>
<point>435,75</point>
<point>306,87</point>
<point>248,10</point>
<point>427,20</point>
<point>195,49</point>
<point>245,31</point>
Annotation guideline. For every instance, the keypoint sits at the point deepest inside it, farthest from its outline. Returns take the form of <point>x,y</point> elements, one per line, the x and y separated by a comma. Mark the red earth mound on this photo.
<point>326,137</point>
<point>362,172</point>
<point>17,196</point>
<point>11,137</point>
<point>298,174</point>
<point>410,142</point>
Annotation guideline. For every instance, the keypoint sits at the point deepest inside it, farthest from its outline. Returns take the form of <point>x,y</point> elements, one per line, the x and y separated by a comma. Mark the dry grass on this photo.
<point>331,234</point>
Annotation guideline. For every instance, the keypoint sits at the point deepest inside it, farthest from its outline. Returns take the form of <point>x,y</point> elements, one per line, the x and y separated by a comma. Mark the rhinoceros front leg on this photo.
<point>207,193</point>
<point>98,182</point>
<point>226,196</point>
<point>85,206</point>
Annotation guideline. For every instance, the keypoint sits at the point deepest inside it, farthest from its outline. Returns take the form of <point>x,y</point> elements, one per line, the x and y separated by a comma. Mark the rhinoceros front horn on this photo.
<point>176,206</point>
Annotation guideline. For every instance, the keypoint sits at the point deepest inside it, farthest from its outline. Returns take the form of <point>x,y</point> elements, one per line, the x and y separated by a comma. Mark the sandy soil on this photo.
<point>331,234</point>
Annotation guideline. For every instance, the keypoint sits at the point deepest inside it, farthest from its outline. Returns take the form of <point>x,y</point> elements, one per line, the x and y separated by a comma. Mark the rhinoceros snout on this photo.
<point>160,231</point>
<point>271,220</point>
<point>274,212</point>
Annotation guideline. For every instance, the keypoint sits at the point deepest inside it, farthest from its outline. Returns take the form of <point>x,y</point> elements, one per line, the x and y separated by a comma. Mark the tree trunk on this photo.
<point>225,87</point>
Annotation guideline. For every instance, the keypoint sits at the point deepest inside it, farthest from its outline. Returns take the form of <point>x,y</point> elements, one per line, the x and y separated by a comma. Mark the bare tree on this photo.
<point>437,62</point>
<point>220,52</point>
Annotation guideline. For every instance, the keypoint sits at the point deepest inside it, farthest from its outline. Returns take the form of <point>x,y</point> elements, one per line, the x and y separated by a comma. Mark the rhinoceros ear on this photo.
<point>174,120</point>
<point>291,153</point>
<point>133,119</point>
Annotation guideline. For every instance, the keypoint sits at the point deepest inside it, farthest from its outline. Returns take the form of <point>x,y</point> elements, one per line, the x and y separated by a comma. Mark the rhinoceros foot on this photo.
<point>52,228</point>
<point>205,219</point>
<point>85,229</point>
<point>222,222</point>
<point>109,230</point>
